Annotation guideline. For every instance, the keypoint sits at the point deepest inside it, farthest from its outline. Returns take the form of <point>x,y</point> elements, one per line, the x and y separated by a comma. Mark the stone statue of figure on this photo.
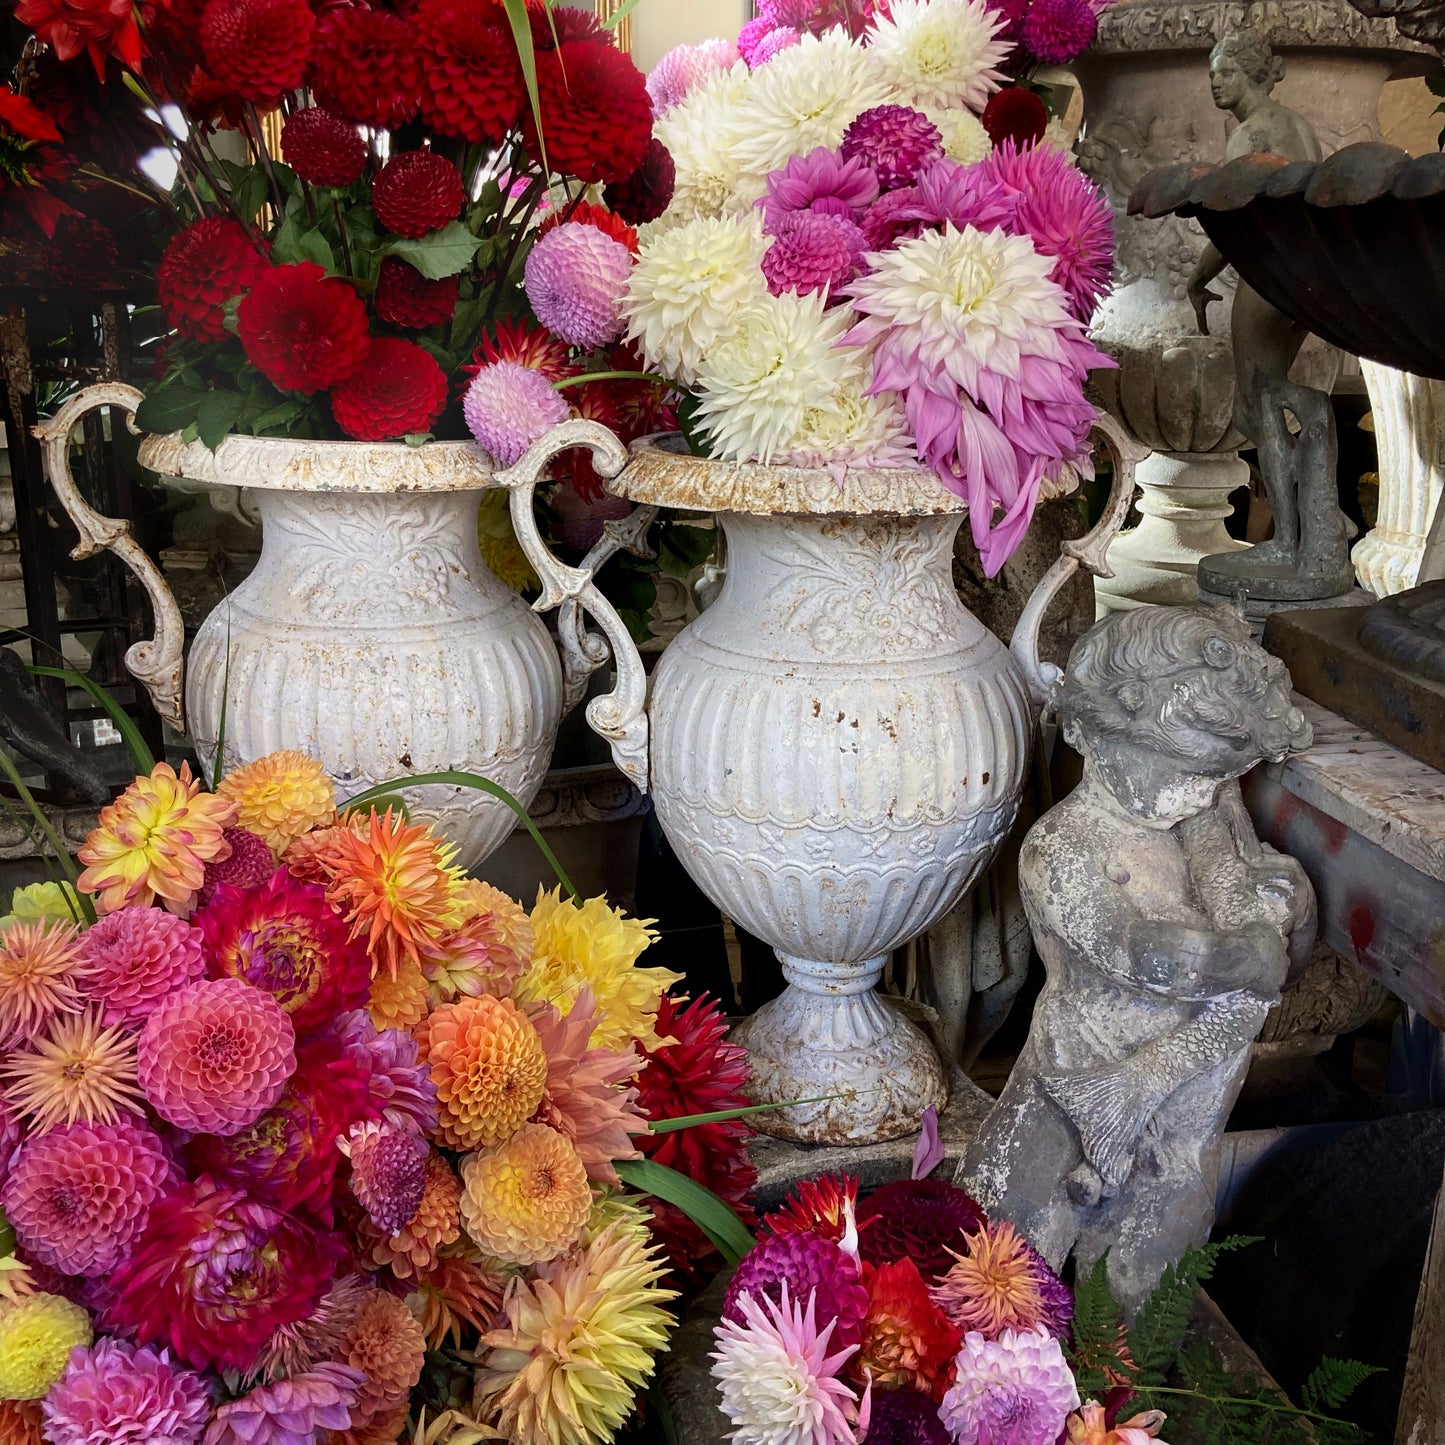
<point>1167,930</point>
<point>1308,556</point>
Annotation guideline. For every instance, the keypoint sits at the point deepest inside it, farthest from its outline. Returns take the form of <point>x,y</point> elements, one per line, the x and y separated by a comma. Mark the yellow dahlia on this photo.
<point>416,1246</point>
<point>42,900</point>
<point>590,945</point>
<point>79,1070</point>
<point>36,1338</point>
<point>488,1066</point>
<point>41,964</point>
<point>280,797</point>
<point>386,1343</point>
<point>154,842</point>
<point>400,1001</point>
<point>582,1337</point>
<point>459,1291</point>
<point>509,929</point>
<point>526,1200</point>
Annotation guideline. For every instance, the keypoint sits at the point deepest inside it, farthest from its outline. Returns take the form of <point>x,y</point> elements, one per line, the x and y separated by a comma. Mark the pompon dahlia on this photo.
<point>813,251</point>
<point>36,901</point>
<point>1003,1283</point>
<point>398,1083</point>
<point>257,48</point>
<point>400,1002</point>
<point>809,1268</point>
<point>386,1344</point>
<point>282,795</point>
<point>215,1056</point>
<point>295,1348</point>
<point>777,1379</point>
<point>772,45</point>
<point>1058,31</point>
<point>595,111</point>
<point>294,1411</point>
<point>205,265</point>
<point>685,67</point>
<point>905,1417</point>
<point>302,329</point>
<point>837,185</point>
<point>43,972</point>
<point>575,278</point>
<point>459,1291</point>
<point>643,196</point>
<point>77,1070</point>
<point>908,1342</point>
<point>1017,1387</point>
<point>155,840</point>
<point>940,53</point>
<point>416,1246</point>
<point>817,1206</point>
<point>895,142</point>
<point>925,1220</point>
<point>77,1197</point>
<point>404,297</point>
<point>527,1200</point>
<point>524,342</point>
<point>590,945</point>
<point>416,192</point>
<point>364,67</point>
<point>113,1393</point>
<point>322,148</point>
<point>400,391</point>
<point>251,863</point>
<point>473,86</point>
<point>215,1274</point>
<point>1017,114</point>
<point>388,1172</point>
<point>580,1340</point>
<point>37,1335</point>
<point>508,407</point>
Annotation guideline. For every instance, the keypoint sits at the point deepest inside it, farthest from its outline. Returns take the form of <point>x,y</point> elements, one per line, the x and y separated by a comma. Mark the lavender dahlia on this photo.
<point>1016,1390</point>
<point>115,1393</point>
<point>293,1411</point>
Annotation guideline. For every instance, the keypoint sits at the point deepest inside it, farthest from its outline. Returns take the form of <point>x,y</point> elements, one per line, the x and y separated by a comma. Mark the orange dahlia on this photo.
<point>489,1068</point>
<point>908,1343</point>
<point>78,1070</point>
<point>308,858</point>
<point>504,922</point>
<point>280,797</point>
<point>1003,1283</point>
<point>154,842</point>
<point>458,1291</point>
<point>20,1422</point>
<point>386,1343</point>
<point>526,1200</point>
<point>415,1247</point>
<point>40,966</point>
<point>398,1001</point>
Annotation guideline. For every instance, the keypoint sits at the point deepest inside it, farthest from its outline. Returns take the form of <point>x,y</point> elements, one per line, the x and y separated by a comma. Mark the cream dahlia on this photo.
<point>939,53</point>
<point>699,135</point>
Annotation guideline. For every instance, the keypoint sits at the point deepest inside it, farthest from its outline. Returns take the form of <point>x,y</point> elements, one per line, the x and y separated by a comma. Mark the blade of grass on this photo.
<point>725,1116</point>
<point>140,754</point>
<point>702,1206</point>
<point>619,15</point>
<point>527,55</point>
<point>62,857</point>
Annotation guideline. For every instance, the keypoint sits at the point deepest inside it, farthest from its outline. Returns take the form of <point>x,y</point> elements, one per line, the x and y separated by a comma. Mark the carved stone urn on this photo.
<point>835,748</point>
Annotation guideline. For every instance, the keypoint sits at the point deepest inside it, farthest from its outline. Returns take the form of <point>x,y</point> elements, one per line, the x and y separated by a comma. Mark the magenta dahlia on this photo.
<point>895,142</point>
<point>806,1264</point>
<point>819,181</point>
<point>905,1417</point>
<point>917,1219</point>
<point>399,1087</point>
<point>575,278</point>
<point>812,251</point>
<point>508,407</point>
<point>251,862</point>
<point>1058,31</point>
<point>113,1393</point>
<point>294,1411</point>
<point>749,37</point>
<point>216,1055</point>
<point>138,957</point>
<point>388,1172</point>
<point>780,38</point>
<point>893,217</point>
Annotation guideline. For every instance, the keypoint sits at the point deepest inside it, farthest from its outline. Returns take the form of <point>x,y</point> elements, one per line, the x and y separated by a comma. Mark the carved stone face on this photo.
<point>1228,82</point>
<point>1158,790</point>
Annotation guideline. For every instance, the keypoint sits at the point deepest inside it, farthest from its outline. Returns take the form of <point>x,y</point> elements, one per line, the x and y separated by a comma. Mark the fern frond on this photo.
<point>1158,1329</point>
<point>1332,1382</point>
<point>1097,1350</point>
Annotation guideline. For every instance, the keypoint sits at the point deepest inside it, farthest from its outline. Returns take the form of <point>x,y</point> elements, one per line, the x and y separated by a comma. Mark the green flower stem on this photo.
<point>1278,1407</point>
<point>615,375</point>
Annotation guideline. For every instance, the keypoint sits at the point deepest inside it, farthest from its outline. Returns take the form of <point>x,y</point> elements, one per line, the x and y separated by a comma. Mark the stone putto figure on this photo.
<point>1167,930</point>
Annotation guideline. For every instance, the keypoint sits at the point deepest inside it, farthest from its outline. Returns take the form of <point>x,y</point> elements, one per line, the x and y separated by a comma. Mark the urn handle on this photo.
<point>156,662</point>
<point>620,716</point>
<point>1089,551</point>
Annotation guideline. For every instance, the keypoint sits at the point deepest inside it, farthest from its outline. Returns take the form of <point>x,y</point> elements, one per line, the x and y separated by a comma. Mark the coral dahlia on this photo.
<point>527,1200</point>
<point>302,329</point>
<point>293,1411</point>
<point>400,1002</point>
<point>399,391</point>
<point>43,969</point>
<point>113,1393</point>
<point>37,1335</point>
<point>416,1246</point>
<point>575,278</point>
<point>257,48</point>
<point>136,958</point>
<point>417,192</point>
<point>595,111</point>
<point>364,67</point>
<point>508,407</point>
<point>322,148</point>
<point>1002,1283</point>
<point>386,1344</point>
<point>459,1291</point>
<point>1017,1387</point>
<point>908,1342</point>
<point>925,1220</point>
<point>809,1269</point>
<point>473,80</point>
<point>282,795</point>
<point>77,1070</point>
<point>206,264</point>
<point>404,297</point>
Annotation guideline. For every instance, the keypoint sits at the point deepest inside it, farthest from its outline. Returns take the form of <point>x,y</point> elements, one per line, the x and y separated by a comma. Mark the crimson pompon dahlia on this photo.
<point>251,863</point>
<point>643,195</point>
<point>473,87</point>
<point>925,1220</point>
<point>404,297</point>
<point>1017,114</point>
<point>596,114</point>
<point>257,48</point>
<point>416,192</point>
<point>302,329</point>
<point>400,390</point>
<point>322,148</point>
<point>364,67</point>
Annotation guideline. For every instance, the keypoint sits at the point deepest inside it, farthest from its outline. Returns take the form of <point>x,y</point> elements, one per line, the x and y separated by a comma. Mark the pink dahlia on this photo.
<point>113,1393</point>
<point>575,278</point>
<point>1016,1390</point>
<point>684,68</point>
<point>388,1172</point>
<point>138,958</point>
<point>399,1086</point>
<point>251,861</point>
<point>284,938</point>
<point>12,1131</point>
<point>819,181</point>
<point>783,37</point>
<point>508,407</point>
<point>808,1267</point>
<point>216,1274</point>
<point>215,1056</point>
<point>893,217</point>
<point>294,1411</point>
<point>748,38</point>
<point>894,141</point>
<point>954,195</point>
<point>1003,1282</point>
<point>78,1196</point>
<point>1055,32</point>
<point>812,251</point>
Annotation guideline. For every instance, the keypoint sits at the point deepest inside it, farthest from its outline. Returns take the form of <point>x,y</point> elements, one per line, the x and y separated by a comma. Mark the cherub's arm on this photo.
<point>1208,266</point>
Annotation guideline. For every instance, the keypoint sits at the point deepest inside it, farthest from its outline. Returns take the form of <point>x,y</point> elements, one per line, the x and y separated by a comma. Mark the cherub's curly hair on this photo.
<point>1159,674</point>
<point>1256,59</point>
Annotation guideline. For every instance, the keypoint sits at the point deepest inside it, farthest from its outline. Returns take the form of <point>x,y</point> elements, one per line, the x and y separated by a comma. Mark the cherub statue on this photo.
<point>1167,931</point>
<point>1307,558</point>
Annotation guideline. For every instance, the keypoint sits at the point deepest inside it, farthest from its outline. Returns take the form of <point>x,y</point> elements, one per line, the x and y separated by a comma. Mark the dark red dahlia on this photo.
<point>257,48</point>
<point>917,1219</point>
<point>84,254</point>
<point>1015,114</point>
<point>302,329</point>
<point>251,862</point>
<point>404,297</point>
<point>416,192</point>
<point>364,67</point>
<point>99,27</point>
<point>586,214</point>
<point>644,195</point>
<point>322,148</point>
<point>204,266</point>
<point>473,87</point>
<point>596,114</point>
<point>215,1274</point>
<point>398,391</point>
<point>592,401</point>
<point>905,1417</point>
<point>563,23</point>
<point>642,407</point>
<point>805,1263</point>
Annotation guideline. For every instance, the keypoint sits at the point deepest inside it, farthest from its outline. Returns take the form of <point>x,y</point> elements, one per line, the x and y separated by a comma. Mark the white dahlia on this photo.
<point>940,53</point>
<point>852,428</point>
<point>688,286</point>
<point>700,133</point>
<point>964,138</point>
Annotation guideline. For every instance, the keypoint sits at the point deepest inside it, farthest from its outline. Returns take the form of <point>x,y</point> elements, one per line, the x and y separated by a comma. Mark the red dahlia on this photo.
<point>643,196</point>
<point>563,23</point>
<point>585,213</point>
<point>917,1219</point>
<point>364,67</point>
<point>1015,114</point>
<point>101,27</point>
<point>399,390</point>
<point>404,297</point>
<point>322,148</point>
<point>474,87</point>
<point>204,266</point>
<point>416,192</point>
<point>527,344</point>
<point>596,115</point>
<point>257,48</point>
<point>303,330</point>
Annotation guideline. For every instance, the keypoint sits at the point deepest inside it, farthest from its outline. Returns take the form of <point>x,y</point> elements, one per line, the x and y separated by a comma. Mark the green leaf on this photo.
<point>286,244</point>
<point>527,55</point>
<point>440,253</point>
<point>140,755</point>
<point>690,424</point>
<point>190,433</point>
<point>725,1116</point>
<point>619,15</point>
<point>681,548</point>
<point>1158,1329</point>
<point>1332,1382</point>
<point>315,247</point>
<point>702,1206</point>
<point>248,194</point>
<point>417,438</point>
<point>1096,1326</point>
<point>170,408</point>
<point>276,417</point>
<point>217,414</point>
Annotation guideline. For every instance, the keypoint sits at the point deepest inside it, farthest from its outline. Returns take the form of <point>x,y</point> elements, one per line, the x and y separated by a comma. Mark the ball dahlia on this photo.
<point>43,968</point>
<point>1017,1387</point>
<point>251,863</point>
<point>78,1196</point>
<point>813,251</point>
<point>400,390</point>
<point>400,1002</point>
<point>136,958</point>
<point>215,1056</point>
<point>527,1200</point>
<point>925,1220</point>
<point>488,1067</point>
<point>155,840</point>
<point>294,1411</point>
<point>388,1172</point>
<point>386,1344</point>
<point>364,67</point>
<point>404,297</point>
<point>257,48</point>
<point>575,278</point>
<point>1003,1283</point>
<point>809,1268</point>
<point>1017,114</point>
<point>113,1393</point>
<point>771,45</point>
<point>684,67</point>
<point>416,1246</point>
<point>1058,31</point>
<point>895,142</point>
<point>76,1070</point>
<point>595,111</point>
<point>508,407</point>
<point>416,192</point>
<point>302,329</point>
<point>908,1343</point>
<point>37,1335</point>
<point>643,196</point>
<point>473,87</point>
<point>322,148</point>
<point>284,794</point>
